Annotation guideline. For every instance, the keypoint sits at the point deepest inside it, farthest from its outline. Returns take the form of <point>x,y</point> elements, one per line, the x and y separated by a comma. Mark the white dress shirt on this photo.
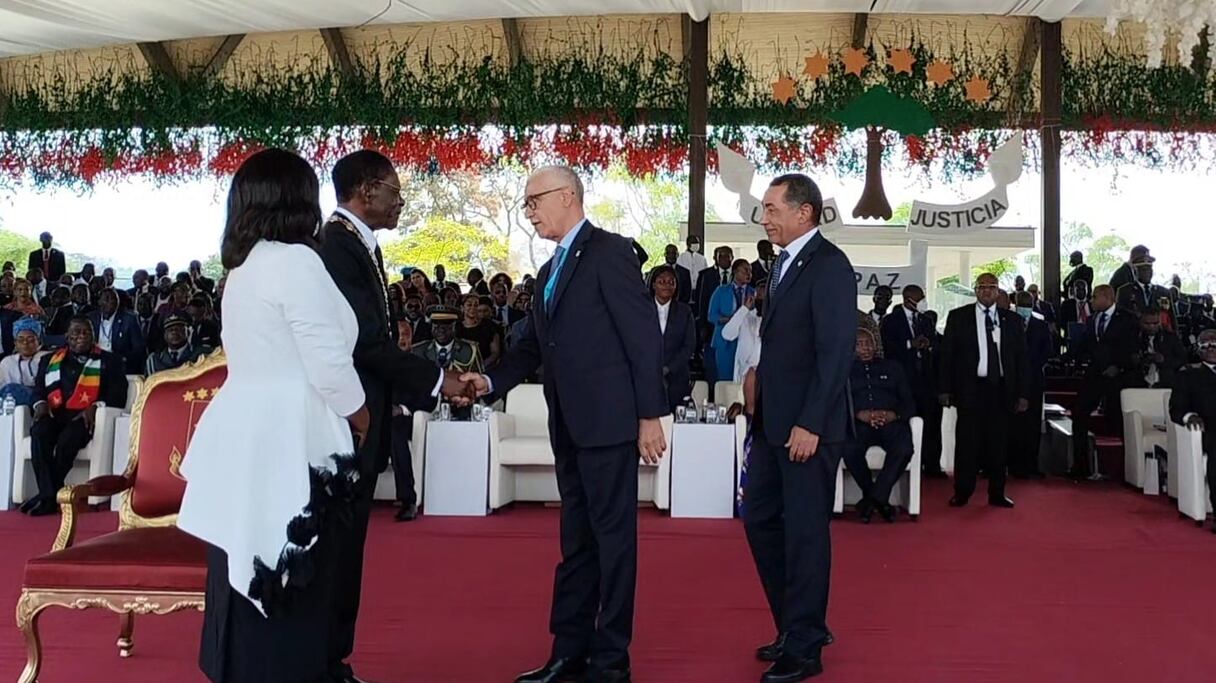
<point>695,263</point>
<point>105,335</point>
<point>664,309</point>
<point>17,370</point>
<point>911,318</point>
<point>794,248</point>
<point>1102,322</point>
<point>982,332</point>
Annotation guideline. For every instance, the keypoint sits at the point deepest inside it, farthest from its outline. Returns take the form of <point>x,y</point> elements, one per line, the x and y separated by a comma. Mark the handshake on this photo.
<point>464,389</point>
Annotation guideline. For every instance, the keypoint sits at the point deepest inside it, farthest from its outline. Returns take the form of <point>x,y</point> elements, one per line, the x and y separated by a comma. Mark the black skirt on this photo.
<point>239,645</point>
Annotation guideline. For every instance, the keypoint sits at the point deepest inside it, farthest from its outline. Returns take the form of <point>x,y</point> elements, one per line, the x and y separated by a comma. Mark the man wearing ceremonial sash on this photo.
<point>70,384</point>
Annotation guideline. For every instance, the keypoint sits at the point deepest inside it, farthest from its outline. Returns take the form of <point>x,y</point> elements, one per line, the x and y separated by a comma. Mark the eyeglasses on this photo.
<point>987,287</point>
<point>1207,346</point>
<point>530,201</point>
<point>394,188</point>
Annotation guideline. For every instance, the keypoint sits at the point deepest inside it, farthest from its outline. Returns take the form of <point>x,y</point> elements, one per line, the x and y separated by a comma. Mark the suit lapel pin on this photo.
<point>578,253</point>
<point>799,264</point>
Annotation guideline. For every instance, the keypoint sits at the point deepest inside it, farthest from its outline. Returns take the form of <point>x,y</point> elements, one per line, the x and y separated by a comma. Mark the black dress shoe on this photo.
<point>772,651</point>
<point>865,509</point>
<point>1001,502</point>
<point>407,513</point>
<point>791,669</point>
<point>829,639</point>
<point>43,508</point>
<point>887,512</point>
<point>957,501</point>
<point>30,505</point>
<point>556,671</point>
<point>607,676</point>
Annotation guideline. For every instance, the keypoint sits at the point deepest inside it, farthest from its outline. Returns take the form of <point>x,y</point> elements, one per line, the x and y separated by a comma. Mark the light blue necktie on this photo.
<point>559,257</point>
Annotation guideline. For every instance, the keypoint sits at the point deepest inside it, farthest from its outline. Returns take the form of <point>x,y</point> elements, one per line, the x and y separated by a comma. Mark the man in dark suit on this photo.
<point>1125,273</point>
<point>983,373</point>
<point>671,254</point>
<point>800,428</point>
<point>1028,426</point>
<point>48,259</point>
<point>65,409</point>
<point>1141,294</point>
<point>119,333</point>
<point>1075,313</point>
<point>764,263</point>
<point>201,282</point>
<point>369,199</point>
<point>179,349</point>
<point>1080,273</point>
<point>477,283</point>
<point>504,314</point>
<point>1108,347</point>
<point>679,334</point>
<point>908,338</point>
<point>593,324</point>
<point>1193,403</point>
<point>1157,356</point>
<point>708,281</point>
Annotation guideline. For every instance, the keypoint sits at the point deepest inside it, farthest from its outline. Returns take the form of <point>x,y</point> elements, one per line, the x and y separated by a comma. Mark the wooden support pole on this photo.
<point>158,58</point>
<point>1030,52</point>
<point>222,54</point>
<point>338,54</point>
<point>698,119</point>
<point>1051,95</point>
<point>510,30</point>
<point>861,21</point>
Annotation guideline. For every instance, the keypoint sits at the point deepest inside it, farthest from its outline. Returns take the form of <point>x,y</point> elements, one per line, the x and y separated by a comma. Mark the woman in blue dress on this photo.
<point>722,305</point>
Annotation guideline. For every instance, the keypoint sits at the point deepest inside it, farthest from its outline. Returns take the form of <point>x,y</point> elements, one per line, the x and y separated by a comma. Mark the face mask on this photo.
<point>694,248</point>
<point>1025,312</point>
<point>915,306</point>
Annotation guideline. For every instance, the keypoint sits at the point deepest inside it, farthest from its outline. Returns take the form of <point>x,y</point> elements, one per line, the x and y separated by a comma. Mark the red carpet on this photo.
<point>1077,584</point>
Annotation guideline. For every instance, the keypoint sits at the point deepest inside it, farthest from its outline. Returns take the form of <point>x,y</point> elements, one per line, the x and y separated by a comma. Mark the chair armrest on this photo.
<point>70,499</point>
<point>504,426</point>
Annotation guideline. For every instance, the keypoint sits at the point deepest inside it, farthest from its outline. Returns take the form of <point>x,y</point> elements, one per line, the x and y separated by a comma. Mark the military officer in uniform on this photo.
<point>444,349</point>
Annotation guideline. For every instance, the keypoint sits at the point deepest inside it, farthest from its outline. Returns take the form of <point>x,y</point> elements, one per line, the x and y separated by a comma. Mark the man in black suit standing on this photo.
<point>593,324</point>
<point>1108,346</point>
<point>369,199</point>
<point>762,265</point>
<point>908,337</point>
<point>1126,273</point>
<point>983,373</point>
<point>679,334</point>
<point>671,254</point>
<point>48,259</point>
<point>1080,273</point>
<point>1193,403</point>
<point>504,314</point>
<point>800,427</point>
<point>1141,294</point>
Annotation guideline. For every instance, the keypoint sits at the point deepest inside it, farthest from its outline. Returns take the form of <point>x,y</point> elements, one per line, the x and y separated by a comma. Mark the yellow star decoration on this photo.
<point>188,397</point>
<point>855,60</point>
<point>816,65</point>
<point>783,89</point>
<point>901,60</point>
<point>940,73</point>
<point>978,90</point>
<point>214,392</point>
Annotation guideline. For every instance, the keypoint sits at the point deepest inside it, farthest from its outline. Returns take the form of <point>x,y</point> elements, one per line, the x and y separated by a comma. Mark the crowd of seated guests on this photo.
<point>71,339</point>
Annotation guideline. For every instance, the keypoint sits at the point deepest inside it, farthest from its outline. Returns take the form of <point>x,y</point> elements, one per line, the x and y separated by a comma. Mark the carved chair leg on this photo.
<point>27,620</point>
<point>126,622</point>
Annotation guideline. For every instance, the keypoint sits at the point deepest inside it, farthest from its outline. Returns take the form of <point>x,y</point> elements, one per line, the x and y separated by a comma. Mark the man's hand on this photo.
<point>1021,406</point>
<point>651,443</point>
<point>749,302</point>
<point>1194,423</point>
<point>944,399</point>
<point>478,383</point>
<point>89,415</point>
<point>802,444</point>
<point>735,410</point>
<point>360,421</point>
<point>457,390</point>
<point>920,343</point>
<point>865,416</point>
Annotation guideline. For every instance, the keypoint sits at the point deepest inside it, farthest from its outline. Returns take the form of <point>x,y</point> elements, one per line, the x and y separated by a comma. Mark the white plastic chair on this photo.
<point>906,492</point>
<point>94,460</point>
<point>521,457</point>
<point>1142,409</point>
<point>949,420</point>
<point>1193,499</point>
<point>386,483</point>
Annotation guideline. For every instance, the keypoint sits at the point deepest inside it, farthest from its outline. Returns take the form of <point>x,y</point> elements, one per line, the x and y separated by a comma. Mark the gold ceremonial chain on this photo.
<point>350,227</point>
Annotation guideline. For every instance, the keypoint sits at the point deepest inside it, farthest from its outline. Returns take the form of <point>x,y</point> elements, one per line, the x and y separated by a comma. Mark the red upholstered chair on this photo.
<point>147,566</point>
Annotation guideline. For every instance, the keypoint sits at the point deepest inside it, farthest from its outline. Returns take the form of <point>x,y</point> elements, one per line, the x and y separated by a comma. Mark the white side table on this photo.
<point>8,452</point>
<point>703,471</point>
<point>122,453</point>
<point>457,468</point>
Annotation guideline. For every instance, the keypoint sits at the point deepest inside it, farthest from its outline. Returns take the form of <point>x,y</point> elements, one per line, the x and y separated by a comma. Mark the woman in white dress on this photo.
<point>270,466</point>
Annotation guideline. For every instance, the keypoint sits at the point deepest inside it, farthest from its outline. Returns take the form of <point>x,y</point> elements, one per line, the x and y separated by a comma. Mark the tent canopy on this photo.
<point>37,26</point>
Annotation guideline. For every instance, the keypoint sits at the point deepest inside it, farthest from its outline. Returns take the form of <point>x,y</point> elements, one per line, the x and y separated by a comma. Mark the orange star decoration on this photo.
<point>855,60</point>
<point>901,61</point>
<point>783,89</point>
<point>816,65</point>
<point>940,73</point>
<point>978,90</point>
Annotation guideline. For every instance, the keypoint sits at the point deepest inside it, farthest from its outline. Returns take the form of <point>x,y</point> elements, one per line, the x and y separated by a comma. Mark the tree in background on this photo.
<point>1104,254</point>
<point>440,240</point>
<point>16,248</point>
<point>213,268</point>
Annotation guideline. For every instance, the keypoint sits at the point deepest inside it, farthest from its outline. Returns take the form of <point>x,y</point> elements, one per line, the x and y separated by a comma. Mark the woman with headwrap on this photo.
<point>17,371</point>
<point>23,300</point>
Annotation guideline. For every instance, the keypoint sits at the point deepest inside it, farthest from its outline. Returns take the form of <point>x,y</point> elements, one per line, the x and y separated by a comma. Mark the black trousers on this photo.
<point>403,464</point>
<point>1094,391</point>
<point>929,409</point>
<point>1209,447</point>
<point>896,440</point>
<point>348,579</point>
<point>789,506</point>
<point>595,582</point>
<point>982,439</point>
<point>55,441</point>
<point>1026,435</point>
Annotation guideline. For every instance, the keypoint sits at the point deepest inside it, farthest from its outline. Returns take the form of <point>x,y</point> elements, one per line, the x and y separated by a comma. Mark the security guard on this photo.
<point>444,349</point>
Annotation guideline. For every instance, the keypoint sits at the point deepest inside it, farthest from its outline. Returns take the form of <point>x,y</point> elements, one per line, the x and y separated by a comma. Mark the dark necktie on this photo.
<point>994,353</point>
<point>724,277</point>
<point>442,358</point>
<point>1102,324</point>
<point>738,296</point>
<point>1148,293</point>
<point>774,275</point>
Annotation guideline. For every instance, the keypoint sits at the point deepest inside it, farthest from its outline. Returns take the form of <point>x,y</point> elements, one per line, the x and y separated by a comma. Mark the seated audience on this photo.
<point>24,301</point>
<point>19,370</point>
<point>477,283</point>
<point>679,334</point>
<point>445,348</point>
<point>1107,348</point>
<point>178,350</point>
<point>1157,356</point>
<point>204,330</point>
<point>483,333</point>
<point>70,384</point>
<point>1193,403</point>
<point>882,404</point>
<point>500,310</point>
<point>118,333</point>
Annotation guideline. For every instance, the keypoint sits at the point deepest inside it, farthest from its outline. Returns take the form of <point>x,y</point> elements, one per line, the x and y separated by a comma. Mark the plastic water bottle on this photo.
<point>10,404</point>
<point>690,410</point>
